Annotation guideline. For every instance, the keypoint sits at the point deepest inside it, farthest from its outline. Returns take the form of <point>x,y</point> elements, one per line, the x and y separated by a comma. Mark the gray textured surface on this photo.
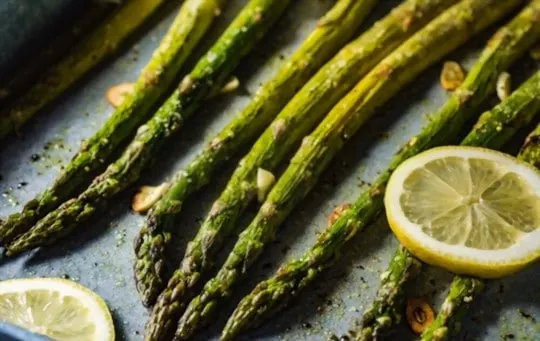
<point>24,24</point>
<point>100,256</point>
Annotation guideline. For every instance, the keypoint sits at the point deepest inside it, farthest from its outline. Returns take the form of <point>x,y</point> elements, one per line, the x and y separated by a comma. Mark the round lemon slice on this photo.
<point>57,308</point>
<point>469,210</point>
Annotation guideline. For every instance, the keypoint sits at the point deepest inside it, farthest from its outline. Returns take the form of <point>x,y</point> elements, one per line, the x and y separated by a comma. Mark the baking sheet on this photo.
<point>100,255</point>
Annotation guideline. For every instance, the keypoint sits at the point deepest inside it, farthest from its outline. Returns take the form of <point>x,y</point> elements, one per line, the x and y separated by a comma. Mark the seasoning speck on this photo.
<point>306,325</point>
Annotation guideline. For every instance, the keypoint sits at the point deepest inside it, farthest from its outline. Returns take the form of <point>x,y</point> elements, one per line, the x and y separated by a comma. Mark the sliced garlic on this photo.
<point>231,85</point>
<point>452,76</point>
<point>338,211</point>
<point>116,94</point>
<point>146,197</point>
<point>504,86</point>
<point>265,181</point>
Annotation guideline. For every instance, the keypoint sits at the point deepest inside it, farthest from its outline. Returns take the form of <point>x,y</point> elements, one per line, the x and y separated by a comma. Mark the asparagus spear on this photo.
<point>211,71</point>
<point>302,113</point>
<point>462,292</point>
<point>441,36</point>
<point>386,310</point>
<point>334,29</point>
<point>271,295</point>
<point>494,129</point>
<point>530,152</point>
<point>101,43</point>
<point>188,28</point>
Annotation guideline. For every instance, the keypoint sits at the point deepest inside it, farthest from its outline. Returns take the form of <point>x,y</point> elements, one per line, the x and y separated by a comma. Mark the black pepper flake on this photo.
<point>35,157</point>
<point>306,325</point>
<point>526,315</point>
<point>509,336</point>
<point>22,184</point>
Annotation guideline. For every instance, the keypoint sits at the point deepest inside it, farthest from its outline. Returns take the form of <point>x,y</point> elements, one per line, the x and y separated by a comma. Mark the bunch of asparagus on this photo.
<point>156,78</point>
<point>493,130</point>
<point>508,44</point>
<point>299,116</point>
<point>332,31</point>
<point>463,290</point>
<point>439,37</point>
<point>516,112</point>
<point>348,89</point>
<point>101,43</point>
<point>272,294</point>
<point>210,72</point>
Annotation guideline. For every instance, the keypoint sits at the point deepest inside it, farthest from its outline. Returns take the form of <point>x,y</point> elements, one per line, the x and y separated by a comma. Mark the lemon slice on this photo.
<point>472,211</point>
<point>57,308</point>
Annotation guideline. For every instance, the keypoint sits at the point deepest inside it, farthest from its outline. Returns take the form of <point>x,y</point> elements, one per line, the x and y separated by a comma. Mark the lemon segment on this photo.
<point>57,308</point>
<point>470,210</point>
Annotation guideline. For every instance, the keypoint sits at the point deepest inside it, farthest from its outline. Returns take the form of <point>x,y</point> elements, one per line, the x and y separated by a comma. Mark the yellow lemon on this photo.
<point>60,309</point>
<point>472,211</point>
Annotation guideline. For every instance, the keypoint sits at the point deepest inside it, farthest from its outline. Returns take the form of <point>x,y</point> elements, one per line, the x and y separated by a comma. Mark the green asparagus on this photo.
<point>331,33</point>
<point>462,292</point>
<point>188,28</point>
<point>302,113</point>
<point>210,72</point>
<point>493,129</point>
<point>271,295</point>
<point>103,42</point>
<point>439,37</point>
<point>530,152</point>
<point>387,308</point>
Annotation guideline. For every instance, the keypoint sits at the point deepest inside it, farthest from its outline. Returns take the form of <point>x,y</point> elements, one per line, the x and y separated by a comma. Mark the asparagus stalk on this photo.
<point>387,308</point>
<point>441,36</point>
<point>462,292</point>
<point>493,129</point>
<point>156,78</point>
<point>101,43</point>
<point>301,114</point>
<point>333,30</point>
<point>211,71</point>
<point>530,151</point>
<point>271,295</point>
